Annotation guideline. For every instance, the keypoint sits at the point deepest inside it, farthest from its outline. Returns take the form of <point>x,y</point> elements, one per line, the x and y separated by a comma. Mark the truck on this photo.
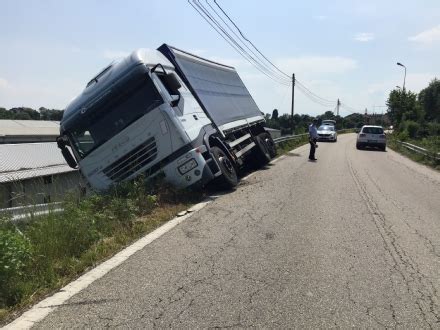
<point>164,111</point>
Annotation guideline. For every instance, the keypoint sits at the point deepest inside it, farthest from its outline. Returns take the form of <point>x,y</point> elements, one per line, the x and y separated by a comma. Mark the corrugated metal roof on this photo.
<point>29,127</point>
<point>28,160</point>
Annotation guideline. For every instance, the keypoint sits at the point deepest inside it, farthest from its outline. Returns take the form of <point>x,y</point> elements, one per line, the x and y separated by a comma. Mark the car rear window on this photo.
<point>373,130</point>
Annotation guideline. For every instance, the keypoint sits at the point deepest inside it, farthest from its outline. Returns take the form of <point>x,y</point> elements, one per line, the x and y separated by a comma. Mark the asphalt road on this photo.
<point>350,240</point>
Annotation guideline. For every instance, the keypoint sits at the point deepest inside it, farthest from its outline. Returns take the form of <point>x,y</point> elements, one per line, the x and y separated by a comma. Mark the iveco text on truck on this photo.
<point>164,111</point>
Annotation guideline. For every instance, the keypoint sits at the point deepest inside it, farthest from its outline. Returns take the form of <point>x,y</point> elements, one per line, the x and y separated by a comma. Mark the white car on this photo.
<point>371,136</point>
<point>327,133</point>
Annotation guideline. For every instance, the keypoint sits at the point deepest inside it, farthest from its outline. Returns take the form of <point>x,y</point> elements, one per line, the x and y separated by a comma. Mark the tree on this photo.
<point>403,105</point>
<point>5,114</point>
<point>51,114</point>
<point>429,99</point>
<point>275,114</point>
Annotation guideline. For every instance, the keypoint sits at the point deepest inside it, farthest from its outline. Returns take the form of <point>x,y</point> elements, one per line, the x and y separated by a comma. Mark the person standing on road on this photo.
<point>313,137</point>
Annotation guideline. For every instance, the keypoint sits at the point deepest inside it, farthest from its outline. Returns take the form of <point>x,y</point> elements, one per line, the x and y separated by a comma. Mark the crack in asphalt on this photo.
<point>209,263</point>
<point>411,215</point>
<point>407,268</point>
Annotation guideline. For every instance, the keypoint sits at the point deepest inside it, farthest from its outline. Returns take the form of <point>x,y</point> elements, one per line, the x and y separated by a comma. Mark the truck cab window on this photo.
<point>83,142</point>
<point>114,113</point>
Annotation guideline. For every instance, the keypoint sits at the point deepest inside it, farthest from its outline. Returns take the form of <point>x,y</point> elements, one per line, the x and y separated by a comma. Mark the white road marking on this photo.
<point>43,308</point>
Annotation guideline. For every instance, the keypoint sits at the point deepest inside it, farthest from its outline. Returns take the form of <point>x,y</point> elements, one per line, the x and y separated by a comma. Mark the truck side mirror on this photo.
<point>66,153</point>
<point>172,83</point>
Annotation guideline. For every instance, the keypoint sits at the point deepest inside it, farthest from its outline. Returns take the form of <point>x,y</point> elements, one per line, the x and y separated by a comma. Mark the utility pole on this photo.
<point>293,98</point>
<point>337,107</point>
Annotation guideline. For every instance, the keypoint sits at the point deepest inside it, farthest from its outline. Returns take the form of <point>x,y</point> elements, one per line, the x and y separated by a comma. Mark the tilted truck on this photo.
<point>164,111</point>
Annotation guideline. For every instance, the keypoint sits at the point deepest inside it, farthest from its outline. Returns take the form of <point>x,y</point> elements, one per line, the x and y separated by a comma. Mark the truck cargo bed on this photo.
<point>217,87</point>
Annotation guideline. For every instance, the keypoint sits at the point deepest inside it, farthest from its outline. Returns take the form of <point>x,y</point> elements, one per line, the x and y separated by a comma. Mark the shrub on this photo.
<point>15,254</point>
<point>434,129</point>
<point>403,135</point>
<point>411,127</point>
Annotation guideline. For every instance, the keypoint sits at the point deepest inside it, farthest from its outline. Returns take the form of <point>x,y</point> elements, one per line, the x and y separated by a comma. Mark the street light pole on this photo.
<point>404,78</point>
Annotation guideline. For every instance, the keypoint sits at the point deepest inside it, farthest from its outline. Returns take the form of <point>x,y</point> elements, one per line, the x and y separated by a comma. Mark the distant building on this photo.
<point>28,131</point>
<point>35,173</point>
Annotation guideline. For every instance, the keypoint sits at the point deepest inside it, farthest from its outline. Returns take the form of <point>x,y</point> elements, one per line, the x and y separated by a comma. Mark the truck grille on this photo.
<point>133,161</point>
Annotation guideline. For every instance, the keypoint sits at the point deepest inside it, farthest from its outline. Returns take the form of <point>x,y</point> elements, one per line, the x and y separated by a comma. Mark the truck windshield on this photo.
<point>112,116</point>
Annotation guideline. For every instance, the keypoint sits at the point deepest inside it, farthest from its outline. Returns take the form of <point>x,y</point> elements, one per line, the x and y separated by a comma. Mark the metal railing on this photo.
<point>288,138</point>
<point>420,150</point>
<point>29,211</point>
<point>292,137</point>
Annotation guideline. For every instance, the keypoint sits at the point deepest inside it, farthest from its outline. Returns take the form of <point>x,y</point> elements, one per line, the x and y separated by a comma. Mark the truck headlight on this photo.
<point>188,166</point>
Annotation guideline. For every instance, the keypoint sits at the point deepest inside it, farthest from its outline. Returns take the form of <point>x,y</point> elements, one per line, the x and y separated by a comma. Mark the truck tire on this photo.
<point>229,178</point>
<point>262,154</point>
<point>270,144</point>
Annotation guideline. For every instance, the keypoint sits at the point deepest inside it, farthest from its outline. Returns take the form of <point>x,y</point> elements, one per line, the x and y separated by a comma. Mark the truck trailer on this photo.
<point>164,111</point>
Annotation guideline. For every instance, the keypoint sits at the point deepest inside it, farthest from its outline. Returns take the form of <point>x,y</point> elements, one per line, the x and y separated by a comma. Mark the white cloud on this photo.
<point>418,81</point>
<point>115,54</point>
<point>317,64</point>
<point>427,37</point>
<point>3,83</point>
<point>415,82</point>
<point>364,37</point>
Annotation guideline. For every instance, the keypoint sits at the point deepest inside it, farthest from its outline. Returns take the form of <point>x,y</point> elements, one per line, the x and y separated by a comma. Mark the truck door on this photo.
<point>187,109</point>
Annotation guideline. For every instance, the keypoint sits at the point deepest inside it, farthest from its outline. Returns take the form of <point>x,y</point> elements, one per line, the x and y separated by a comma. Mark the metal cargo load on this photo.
<point>218,88</point>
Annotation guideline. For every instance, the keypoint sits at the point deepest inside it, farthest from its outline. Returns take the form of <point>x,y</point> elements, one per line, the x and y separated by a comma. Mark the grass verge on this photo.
<point>285,147</point>
<point>432,144</point>
<point>40,256</point>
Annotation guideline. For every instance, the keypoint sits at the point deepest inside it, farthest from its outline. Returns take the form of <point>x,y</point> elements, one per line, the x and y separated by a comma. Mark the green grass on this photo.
<point>431,144</point>
<point>42,255</point>
<point>285,147</point>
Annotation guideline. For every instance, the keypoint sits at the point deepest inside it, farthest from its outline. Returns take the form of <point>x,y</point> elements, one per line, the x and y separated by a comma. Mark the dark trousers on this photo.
<point>312,148</point>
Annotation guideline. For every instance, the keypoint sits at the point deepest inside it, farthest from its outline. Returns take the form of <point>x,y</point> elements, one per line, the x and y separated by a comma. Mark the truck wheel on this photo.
<point>269,143</point>
<point>262,151</point>
<point>229,174</point>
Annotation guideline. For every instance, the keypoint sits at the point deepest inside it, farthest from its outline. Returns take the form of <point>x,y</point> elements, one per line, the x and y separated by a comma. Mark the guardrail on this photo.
<point>288,138</point>
<point>292,137</point>
<point>420,150</point>
<point>22,212</point>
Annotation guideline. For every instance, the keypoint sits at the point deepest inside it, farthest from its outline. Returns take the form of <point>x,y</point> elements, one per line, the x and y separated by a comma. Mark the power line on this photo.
<point>317,96</point>
<point>313,98</point>
<point>271,70</point>
<point>206,18</point>
<point>244,37</point>
<point>261,62</point>
<point>221,30</point>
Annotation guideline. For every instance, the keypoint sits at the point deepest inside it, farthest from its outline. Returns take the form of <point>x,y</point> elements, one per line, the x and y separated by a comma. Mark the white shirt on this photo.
<point>313,131</point>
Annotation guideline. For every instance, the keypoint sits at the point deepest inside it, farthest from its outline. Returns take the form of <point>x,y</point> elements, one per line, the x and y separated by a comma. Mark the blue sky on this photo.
<point>338,49</point>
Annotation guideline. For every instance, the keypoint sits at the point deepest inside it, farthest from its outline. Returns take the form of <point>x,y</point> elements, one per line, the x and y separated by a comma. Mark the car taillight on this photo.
<point>362,135</point>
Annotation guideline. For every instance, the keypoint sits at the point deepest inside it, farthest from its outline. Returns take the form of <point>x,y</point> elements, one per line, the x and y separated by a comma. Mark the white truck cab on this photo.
<point>163,111</point>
